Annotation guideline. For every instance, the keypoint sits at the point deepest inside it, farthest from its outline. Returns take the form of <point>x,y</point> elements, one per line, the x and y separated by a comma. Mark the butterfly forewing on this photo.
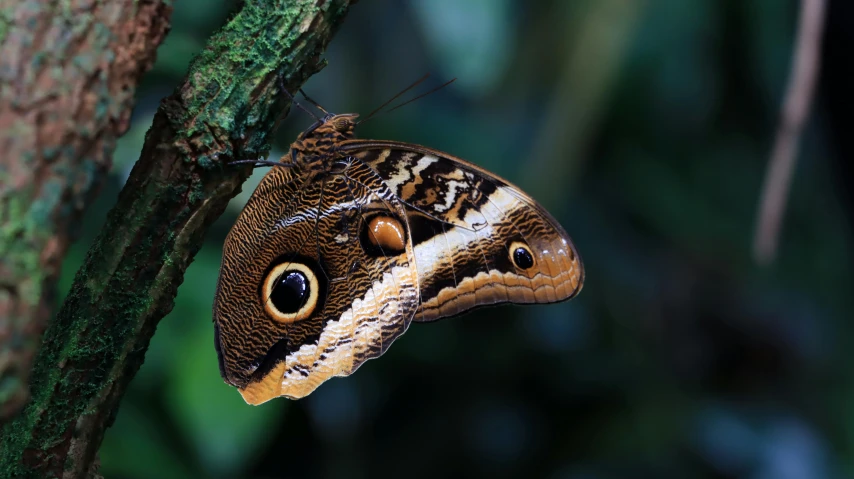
<point>465,222</point>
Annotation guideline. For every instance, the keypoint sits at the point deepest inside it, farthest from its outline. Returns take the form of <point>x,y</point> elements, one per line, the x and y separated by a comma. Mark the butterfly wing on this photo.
<point>477,239</point>
<point>299,300</point>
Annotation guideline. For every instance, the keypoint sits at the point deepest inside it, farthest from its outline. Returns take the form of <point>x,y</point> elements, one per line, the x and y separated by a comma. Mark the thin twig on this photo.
<point>778,179</point>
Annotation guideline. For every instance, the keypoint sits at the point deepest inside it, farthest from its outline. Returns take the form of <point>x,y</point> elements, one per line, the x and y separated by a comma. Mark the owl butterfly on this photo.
<point>345,242</point>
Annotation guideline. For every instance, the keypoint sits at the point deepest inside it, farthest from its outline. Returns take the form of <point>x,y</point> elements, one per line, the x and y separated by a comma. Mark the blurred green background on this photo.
<point>645,127</point>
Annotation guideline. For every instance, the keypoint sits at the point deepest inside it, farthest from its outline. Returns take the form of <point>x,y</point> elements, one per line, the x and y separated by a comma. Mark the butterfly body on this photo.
<point>336,253</point>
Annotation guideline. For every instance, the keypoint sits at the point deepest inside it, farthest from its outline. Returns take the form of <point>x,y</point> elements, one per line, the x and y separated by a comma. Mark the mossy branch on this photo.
<point>226,109</point>
<point>68,74</point>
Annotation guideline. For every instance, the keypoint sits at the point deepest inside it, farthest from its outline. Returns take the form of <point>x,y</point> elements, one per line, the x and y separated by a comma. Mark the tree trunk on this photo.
<point>226,109</point>
<point>68,72</point>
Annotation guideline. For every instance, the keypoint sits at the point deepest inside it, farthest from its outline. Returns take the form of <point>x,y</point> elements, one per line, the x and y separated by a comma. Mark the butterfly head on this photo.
<point>319,141</point>
<point>334,127</point>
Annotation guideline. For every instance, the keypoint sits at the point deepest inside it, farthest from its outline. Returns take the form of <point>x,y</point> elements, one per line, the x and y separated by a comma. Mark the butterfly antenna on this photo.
<point>317,105</point>
<point>259,163</point>
<point>294,100</point>
<point>424,94</point>
<point>376,110</point>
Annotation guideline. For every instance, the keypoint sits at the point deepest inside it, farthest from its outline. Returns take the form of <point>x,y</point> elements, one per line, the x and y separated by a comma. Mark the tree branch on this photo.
<point>778,179</point>
<point>67,80</point>
<point>226,109</point>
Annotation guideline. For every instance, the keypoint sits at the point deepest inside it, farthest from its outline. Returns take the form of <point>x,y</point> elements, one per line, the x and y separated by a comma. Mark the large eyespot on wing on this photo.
<point>300,299</point>
<point>478,239</point>
<point>291,290</point>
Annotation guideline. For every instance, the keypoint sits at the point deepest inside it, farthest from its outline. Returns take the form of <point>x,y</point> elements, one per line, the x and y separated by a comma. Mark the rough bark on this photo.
<point>226,109</point>
<point>68,72</point>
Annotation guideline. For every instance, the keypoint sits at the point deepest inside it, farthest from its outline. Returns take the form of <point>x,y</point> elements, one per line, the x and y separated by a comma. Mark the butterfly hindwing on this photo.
<point>311,224</point>
<point>467,226</point>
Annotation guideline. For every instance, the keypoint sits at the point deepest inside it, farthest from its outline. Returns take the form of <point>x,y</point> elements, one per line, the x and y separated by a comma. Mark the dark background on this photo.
<point>645,127</point>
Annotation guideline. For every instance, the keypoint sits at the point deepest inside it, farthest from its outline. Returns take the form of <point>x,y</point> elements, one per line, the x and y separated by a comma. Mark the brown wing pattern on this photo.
<point>310,225</point>
<point>466,226</point>
<point>334,256</point>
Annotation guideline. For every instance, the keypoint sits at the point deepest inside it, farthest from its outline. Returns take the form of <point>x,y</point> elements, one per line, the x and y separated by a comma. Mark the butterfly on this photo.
<point>345,242</point>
